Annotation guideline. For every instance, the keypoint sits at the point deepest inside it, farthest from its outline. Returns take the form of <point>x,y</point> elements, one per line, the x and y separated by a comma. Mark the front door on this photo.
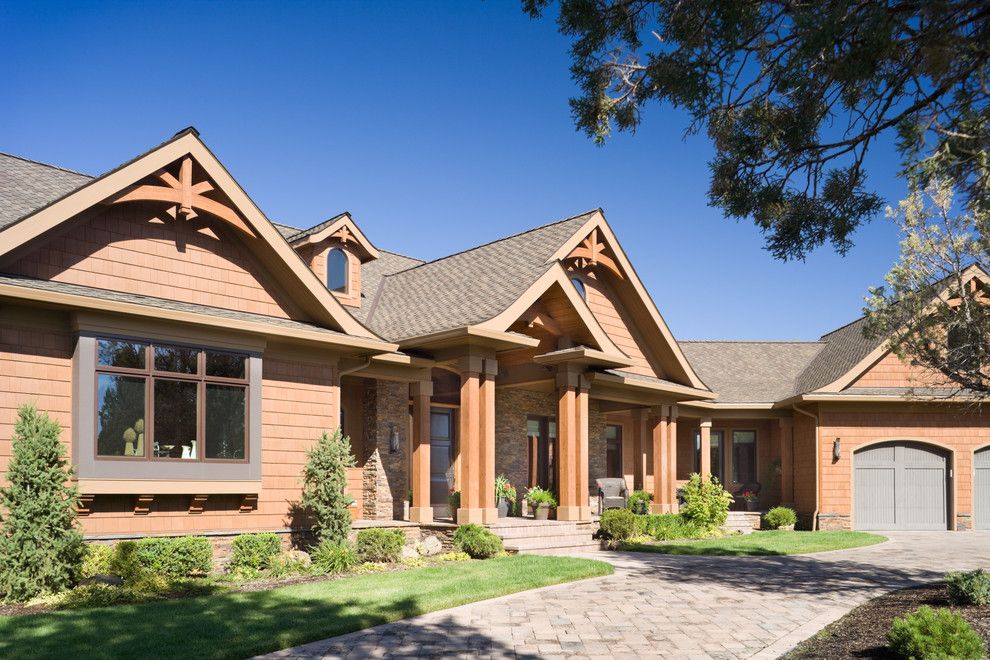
<point>441,457</point>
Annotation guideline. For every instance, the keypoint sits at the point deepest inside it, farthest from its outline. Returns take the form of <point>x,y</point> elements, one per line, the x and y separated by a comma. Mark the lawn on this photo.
<point>761,544</point>
<point>240,624</point>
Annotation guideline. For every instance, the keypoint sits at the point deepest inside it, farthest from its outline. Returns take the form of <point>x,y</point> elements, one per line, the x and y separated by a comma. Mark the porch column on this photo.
<point>572,439</point>
<point>421,511</point>
<point>706,448</point>
<point>640,420</point>
<point>785,430</point>
<point>672,458</point>
<point>661,469</point>
<point>477,440</point>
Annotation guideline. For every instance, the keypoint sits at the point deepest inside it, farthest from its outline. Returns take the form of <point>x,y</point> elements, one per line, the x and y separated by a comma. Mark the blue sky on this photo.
<point>439,125</point>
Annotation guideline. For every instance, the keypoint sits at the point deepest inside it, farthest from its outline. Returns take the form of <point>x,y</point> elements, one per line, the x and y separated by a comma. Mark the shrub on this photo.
<point>94,595</point>
<point>780,516</point>
<point>176,556</point>
<point>618,524</point>
<point>332,557</point>
<point>255,550</point>
<point>537,496</point>
<point>97,560</point>
<point>706,503</point>
<point>380,545</point>
<point>667,527</point>
<point>324,480</point>
<point>40,542</point>
<point>477,542</point>
<point>928,633</point>
<point>454,556</point>
<point>126,562</point>
<point>969,587</point>
<point>290,563</point>
<point>454,502</point>
<point>639,501</point>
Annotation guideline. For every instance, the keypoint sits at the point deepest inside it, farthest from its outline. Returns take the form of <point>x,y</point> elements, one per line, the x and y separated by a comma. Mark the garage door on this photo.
<point>901,485</point>
<point>981,489</point>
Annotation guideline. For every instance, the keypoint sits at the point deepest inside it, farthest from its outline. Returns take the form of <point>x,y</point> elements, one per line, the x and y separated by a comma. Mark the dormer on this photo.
<point>335,250</point>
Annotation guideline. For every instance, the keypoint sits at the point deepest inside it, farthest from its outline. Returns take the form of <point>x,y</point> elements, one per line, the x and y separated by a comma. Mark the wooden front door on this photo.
<point>441,456</point>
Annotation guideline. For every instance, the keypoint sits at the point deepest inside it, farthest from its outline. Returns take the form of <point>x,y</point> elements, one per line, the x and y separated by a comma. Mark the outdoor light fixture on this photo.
<point>837,450</point>
<point>393,440</point>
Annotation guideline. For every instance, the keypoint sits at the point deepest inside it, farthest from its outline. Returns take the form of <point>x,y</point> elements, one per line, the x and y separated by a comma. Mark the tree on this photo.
<point>40,543</point>
<point>793,95</point>
<point>324,479</point>
<point>934,310</point>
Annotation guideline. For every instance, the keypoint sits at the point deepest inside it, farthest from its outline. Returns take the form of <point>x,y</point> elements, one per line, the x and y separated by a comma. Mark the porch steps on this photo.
<point>525,535</point>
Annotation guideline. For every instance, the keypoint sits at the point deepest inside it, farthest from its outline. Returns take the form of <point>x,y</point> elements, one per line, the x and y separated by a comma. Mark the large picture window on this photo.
<point>170,402</point>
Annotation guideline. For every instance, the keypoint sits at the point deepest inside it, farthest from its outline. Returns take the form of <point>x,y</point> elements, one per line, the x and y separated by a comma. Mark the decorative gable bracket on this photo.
<point>593,251</point>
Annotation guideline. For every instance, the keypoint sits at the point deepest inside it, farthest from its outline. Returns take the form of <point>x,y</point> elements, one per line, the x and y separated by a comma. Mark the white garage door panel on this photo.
<point>900,485</point>
<point>981,489</point>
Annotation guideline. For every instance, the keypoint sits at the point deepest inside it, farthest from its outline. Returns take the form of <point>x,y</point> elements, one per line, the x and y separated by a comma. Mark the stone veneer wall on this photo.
<point>386,479</point>
<point>512,407</point>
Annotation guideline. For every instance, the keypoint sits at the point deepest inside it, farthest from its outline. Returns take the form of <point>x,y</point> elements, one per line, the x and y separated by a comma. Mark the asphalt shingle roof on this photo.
<point>26,185</point>
<point>750,371</point>
<point>374,271</point>
<point>468,287</point>
<point>844,348</point>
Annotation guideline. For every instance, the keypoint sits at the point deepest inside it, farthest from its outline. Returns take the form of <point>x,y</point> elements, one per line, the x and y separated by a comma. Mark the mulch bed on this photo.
<point>863,632</point>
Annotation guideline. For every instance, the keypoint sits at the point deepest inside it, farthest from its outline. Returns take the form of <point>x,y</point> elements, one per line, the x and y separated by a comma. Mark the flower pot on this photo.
<point>541,511</point>
<point>786,528</point>
<point>502,505</point>
<point>752,505</point>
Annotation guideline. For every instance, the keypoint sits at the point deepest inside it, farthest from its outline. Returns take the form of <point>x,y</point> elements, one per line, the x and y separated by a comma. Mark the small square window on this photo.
<point>225,365</point>
<point>176,359</point>
<point>120,353</point>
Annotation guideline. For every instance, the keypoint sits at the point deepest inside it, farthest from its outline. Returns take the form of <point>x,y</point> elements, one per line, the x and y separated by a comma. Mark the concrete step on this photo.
<point>546,542</point>
<point>516,532</point>
<point>570,550</point>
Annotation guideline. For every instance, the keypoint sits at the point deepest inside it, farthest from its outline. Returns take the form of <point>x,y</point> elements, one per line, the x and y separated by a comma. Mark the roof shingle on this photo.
<point>26,185</point>
<point>750,371</point>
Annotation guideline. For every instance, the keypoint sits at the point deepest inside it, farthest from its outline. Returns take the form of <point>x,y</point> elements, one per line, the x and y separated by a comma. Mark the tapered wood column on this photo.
<point>706,448</point>
<point>641,436</point>
<point>661,458</point>
<point>672,459</point>
<point>476,440</point>
<point>421,510</point>
<point>572,439</point>
<point>786,432</point>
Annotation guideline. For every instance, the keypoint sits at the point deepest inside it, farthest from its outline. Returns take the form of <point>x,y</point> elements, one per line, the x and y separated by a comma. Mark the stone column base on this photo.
<point>476,516</point>
<point>574,513</point>
<point>659,508</point>
<point>834,521</point>
<point>421,514</point>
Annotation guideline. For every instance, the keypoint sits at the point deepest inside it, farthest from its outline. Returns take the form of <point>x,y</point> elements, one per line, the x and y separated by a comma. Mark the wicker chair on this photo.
<point>612,494</point>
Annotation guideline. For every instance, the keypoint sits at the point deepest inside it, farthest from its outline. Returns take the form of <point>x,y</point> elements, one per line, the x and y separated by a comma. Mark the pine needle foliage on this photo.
<point>324,479</point>
<point>40,541</point>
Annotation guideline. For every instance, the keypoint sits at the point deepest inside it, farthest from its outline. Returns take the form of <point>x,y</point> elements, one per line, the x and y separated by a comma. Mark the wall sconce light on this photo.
<point>836,450</point>
<point>393,439</point>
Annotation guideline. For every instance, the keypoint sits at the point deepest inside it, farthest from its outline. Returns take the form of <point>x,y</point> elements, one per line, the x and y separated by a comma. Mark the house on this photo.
<point>193,350</point>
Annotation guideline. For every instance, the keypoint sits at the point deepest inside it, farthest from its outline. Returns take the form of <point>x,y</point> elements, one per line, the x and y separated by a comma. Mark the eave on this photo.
<point>674,391</point>
<point>471,335</point>
<point>582,355</point>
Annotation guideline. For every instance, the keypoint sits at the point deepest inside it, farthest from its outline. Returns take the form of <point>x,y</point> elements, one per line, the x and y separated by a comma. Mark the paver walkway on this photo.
<point>670,606</point>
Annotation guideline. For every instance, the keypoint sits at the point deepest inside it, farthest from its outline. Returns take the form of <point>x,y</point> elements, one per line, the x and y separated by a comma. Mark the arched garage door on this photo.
<point>981,489</point>
<point>901,485</point>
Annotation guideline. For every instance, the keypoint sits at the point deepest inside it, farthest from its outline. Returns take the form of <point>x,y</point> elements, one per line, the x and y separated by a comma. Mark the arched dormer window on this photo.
<point>337,270</point>
<point>579,285</point>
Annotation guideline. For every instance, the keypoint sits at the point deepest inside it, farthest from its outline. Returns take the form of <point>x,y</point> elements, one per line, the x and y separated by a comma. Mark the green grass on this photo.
<point>762,544</point>
<point>239,625</point>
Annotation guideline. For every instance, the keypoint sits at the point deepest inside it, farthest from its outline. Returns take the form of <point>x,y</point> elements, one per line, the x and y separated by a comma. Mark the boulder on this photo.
<point>430,546</point>
<point>409,552</point>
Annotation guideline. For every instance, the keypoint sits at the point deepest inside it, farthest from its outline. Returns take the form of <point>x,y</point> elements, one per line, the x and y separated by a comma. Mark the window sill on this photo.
<point>165,487</point>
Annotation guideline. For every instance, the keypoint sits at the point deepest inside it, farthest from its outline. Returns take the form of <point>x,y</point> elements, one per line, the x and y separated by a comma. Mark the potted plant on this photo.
<point>454,502</point>
<point>541,501</point>
<point>505,494</point>
<point>752,500</point>
<point>639,501</point>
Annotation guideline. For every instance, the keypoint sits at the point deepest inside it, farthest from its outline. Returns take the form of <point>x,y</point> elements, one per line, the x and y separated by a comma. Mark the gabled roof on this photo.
<point>469,287</point>
<point>372,273</point>
<point>282,260</point>
<point>751,371</point>
<point>342,222</point>
<point>26,185</point>
<point>843,349</point>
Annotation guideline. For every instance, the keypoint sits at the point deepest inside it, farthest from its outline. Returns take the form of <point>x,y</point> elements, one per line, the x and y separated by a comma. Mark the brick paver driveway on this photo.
<point>665,606</point>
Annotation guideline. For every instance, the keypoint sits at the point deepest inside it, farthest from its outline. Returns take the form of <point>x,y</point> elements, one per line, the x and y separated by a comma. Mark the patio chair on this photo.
<point>612,494</point>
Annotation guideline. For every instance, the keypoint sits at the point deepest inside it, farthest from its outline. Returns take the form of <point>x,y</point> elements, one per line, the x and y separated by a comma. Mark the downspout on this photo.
<point>360,367</point>
<point>818,460</point>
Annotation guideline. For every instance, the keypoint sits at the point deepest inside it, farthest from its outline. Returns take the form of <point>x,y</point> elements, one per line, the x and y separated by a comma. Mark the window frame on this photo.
<point>618,442</point>
<point>756,455</point>
<point>151,375</point>
<point>346,289</point>
<point>720,433</point>
<point>582,290</point>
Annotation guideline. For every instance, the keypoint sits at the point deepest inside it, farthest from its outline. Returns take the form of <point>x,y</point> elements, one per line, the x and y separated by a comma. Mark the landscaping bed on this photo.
<point>766,543</point>
<point>862,633</point>
<point>239,624</point>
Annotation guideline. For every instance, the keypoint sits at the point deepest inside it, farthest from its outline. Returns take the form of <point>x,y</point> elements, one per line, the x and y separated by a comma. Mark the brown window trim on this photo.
<point>151,375</point>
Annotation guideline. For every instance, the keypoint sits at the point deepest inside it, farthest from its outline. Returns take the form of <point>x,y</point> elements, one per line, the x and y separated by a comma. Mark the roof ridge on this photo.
<point>321,223</point>
<point>842,327</point>
<point>497,240</point>
<point>38,162</point>
<point>750,341</point>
